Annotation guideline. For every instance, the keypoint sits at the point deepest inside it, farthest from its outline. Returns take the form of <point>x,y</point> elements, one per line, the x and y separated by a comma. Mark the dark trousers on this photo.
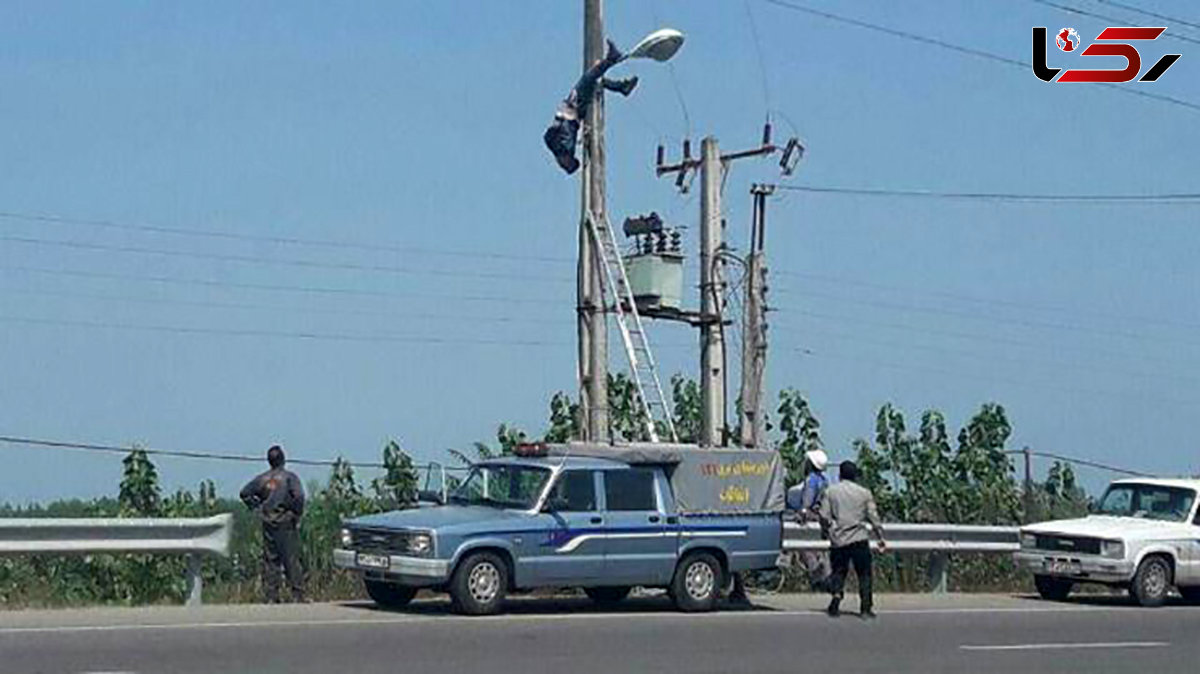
<point>281,549</point>
<point>858,554</point>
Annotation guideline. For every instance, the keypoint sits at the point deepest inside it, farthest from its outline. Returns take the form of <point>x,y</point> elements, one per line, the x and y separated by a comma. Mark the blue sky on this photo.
<point>413,128</point>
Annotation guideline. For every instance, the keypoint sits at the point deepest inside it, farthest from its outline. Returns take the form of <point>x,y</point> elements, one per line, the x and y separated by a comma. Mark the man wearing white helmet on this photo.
<point>804,498</point>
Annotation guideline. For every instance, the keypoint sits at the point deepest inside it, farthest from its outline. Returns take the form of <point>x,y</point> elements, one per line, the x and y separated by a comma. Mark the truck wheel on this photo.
<point>389,595</point>
<point>479,584</point>
<point>1051,588</point>
<point>607,596</point>
<point>1152,581</point>
<point>697,582</point>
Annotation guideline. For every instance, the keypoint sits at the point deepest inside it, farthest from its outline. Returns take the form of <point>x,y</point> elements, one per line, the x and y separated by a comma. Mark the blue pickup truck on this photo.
<point>602,518</point>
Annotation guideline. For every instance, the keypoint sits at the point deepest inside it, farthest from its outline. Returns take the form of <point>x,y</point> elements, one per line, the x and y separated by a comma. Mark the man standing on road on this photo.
<point>278,498</point>
<point>845,510</point>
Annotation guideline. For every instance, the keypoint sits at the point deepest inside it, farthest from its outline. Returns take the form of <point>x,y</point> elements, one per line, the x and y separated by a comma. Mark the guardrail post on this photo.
<point>939,568</point>
<point>195,581</point>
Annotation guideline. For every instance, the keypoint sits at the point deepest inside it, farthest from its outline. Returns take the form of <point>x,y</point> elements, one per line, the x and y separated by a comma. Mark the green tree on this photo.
<point>685,408</point>
<point>397,487</point>
<point>985,471</point>
<point>564,419</point>
<point>801,433</point>
<point>139,491</point>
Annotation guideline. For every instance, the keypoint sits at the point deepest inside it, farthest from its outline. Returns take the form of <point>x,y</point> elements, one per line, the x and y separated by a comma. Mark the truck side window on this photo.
<point>631,489</point>
<point>576,491</point>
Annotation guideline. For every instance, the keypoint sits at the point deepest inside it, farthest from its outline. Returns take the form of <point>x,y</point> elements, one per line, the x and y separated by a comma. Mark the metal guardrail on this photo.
<point>193,537</point>
<point>937,539</point>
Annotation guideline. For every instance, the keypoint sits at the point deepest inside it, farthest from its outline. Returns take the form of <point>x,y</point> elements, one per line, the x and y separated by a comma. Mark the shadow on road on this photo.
<point>1100,599</point>
<point>533,605</point>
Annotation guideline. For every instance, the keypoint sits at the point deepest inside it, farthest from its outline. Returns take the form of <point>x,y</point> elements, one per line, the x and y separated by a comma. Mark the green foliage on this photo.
<point>801,433</point>
<point>1059,497</point>
<point>564,419</point>
<point>397,488</point>
<point>140,493</point>
<point>685,408</point>
<point>626,419</point>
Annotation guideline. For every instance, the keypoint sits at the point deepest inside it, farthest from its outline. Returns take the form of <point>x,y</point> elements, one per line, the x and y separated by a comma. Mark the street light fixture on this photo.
<point>660,45</point>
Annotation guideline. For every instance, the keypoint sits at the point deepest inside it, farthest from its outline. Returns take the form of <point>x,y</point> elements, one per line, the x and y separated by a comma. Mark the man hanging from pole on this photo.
<point>563,133</point>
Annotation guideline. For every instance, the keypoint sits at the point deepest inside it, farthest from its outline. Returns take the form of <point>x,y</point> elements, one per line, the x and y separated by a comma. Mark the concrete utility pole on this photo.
<point>754,325</point>
<point>713,424</point>
<point>592,325</point>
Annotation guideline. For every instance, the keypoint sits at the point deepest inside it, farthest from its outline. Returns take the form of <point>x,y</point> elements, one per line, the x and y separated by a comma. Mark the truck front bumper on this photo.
<point>401,569</point>
<point>1084,568</point>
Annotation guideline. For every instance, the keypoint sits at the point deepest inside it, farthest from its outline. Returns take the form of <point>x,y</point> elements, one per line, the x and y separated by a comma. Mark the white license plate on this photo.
<point>1063,567</point>
<point>374,561</point>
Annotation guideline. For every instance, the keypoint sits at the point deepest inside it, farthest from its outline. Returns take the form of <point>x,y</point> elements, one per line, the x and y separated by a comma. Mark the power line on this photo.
<point>303,335</point>
<point>974,337</point>
<point>314,336</point>
<point>1044,325</point>
<point>288,262</point>
<point>285,240</point>
<point>860,359</point>
<point>210,456</point>
<point>1149,13</point>
<point>687,118</point>
<point>762,62</point>
<point>987,301</point>
<point>786,4</point>
<point>318,290</point>
<point>981,356</point>
<point>472,317</point>
<point>1188,198</point>
<point>1082,462</point>
<point>1123,22</point>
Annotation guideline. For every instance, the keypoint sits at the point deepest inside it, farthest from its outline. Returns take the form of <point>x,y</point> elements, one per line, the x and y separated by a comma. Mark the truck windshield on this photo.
<point>1155,502</point>
<point>502,486</point>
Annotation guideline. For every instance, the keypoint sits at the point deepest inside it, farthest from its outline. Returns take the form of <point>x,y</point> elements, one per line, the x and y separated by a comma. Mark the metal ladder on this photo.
<point>633,335</point>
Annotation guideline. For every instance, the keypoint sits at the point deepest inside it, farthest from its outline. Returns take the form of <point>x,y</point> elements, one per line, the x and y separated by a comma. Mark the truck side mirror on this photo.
<point>555,504</point>
<point>430,496</point>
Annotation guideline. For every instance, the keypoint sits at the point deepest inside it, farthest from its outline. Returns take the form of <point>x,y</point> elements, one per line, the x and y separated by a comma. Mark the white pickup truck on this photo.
<point>1143,535</point>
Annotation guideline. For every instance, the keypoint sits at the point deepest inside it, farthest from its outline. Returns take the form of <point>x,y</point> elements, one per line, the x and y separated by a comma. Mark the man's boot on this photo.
<point>867,612</point>
<point>614,55</point>
<point>623,87</point>
<point>835,607</point>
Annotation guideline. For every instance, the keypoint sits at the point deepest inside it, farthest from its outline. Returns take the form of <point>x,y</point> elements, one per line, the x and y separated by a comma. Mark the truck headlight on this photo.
<point>1028,541</point>
<point>1113,549</point>
<point>347,539</point>
<point>420,544</point>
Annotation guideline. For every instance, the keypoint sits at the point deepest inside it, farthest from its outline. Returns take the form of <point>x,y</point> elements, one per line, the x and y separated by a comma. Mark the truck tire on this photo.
<point>697,583</point>
<point>1051,588</point>
<point>607,596</point>
<point>389,595</point>
<point>479,584</point>
<point>1152,581</point>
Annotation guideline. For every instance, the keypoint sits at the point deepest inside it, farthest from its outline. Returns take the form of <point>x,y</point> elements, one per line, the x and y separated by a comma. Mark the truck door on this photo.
<point>641,541</point>
<point>571,546</point>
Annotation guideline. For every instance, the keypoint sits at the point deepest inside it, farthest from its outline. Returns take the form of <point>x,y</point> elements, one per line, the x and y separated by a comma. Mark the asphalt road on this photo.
<point>912,634</point>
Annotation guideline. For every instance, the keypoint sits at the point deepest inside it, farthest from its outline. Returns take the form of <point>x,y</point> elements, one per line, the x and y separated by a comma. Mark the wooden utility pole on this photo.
<point>754,325</point>
<point>592,327</point>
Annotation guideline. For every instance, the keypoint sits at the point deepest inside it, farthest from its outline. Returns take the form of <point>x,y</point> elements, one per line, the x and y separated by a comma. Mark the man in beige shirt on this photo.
<point>846,509</point>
